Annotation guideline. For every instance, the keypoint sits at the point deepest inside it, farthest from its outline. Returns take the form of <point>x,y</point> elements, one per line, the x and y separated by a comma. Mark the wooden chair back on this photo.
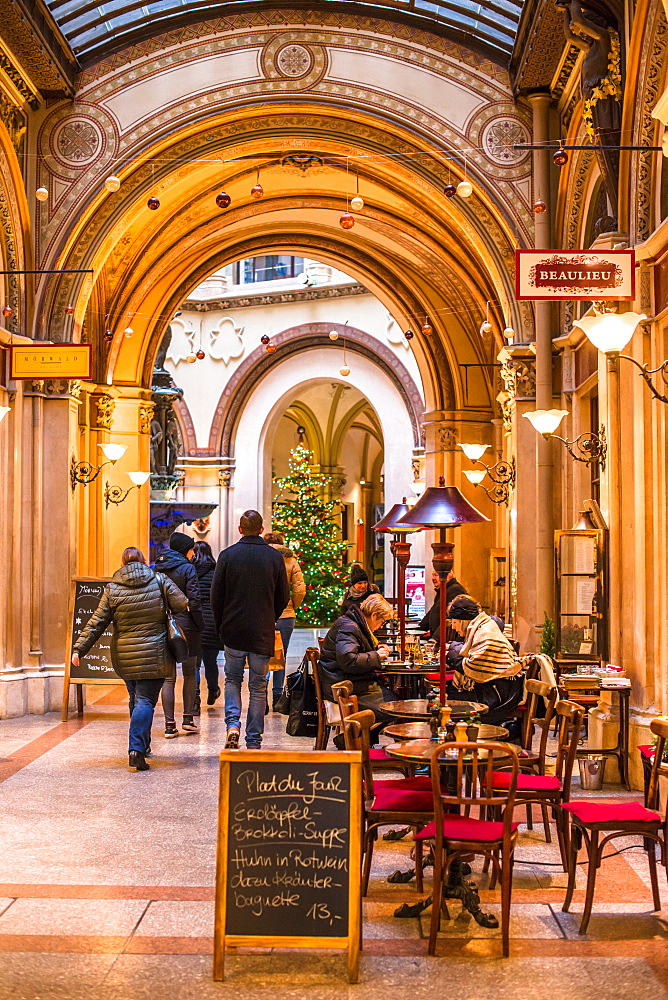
<point>357,730</point>
<point>321,642</point>
<point>570,718</point>
<point>535,690</point>
<point>659,767</point>
<point>470,770</point>
<point>345,699</point>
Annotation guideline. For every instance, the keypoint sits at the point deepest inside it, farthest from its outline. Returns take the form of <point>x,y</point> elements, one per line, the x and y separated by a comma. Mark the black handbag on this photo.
<point>176,639</point>
<point>300,703</point>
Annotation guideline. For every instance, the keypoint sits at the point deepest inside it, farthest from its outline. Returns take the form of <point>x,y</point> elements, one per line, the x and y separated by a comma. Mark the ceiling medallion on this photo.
<point>302,161</point>
<point>499,138</point>
<point>294,61</point>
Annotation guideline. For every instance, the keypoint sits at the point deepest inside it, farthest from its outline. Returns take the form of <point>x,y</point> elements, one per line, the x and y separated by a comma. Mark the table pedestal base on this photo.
<point>455,888</point>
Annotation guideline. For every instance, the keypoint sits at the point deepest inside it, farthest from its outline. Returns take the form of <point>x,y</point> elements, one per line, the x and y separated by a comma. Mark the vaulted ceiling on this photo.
<point>93,30</point>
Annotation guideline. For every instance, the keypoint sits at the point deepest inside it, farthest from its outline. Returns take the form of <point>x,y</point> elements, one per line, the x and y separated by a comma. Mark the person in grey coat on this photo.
<point>133,601</point>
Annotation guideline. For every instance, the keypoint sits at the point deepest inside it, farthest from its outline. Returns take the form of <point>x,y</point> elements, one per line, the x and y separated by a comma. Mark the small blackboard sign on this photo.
<point>95,667</point>
<point>289,846</point>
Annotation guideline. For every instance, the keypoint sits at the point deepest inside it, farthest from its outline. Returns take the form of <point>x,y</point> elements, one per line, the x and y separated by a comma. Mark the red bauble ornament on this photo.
<point>7,312</point>
<point>449,190</point>
<point>264,339</point>
<point>69,310</point>
<point>347,221</point>
<point>108,335</point>
<point>427,330</point>
<point>257,191</point>
<point>409,335</point>
<point>223,200</point>
<point>539,207</point>
<point>200,354</point>
<point>153,204</point>
<point>270,349</point>
<point>560,157</point>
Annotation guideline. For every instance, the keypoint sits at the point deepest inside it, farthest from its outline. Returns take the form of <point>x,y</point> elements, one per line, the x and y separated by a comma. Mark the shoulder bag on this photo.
<point>176,639</point>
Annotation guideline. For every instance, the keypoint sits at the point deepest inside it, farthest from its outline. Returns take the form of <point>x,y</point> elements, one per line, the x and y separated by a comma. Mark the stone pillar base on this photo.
<point>32,692</point>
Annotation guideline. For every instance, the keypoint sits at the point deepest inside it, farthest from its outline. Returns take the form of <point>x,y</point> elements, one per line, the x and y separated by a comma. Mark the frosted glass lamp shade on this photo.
<point>474,451</point>
<point>113,451</point>
<point>610,332</point>
<point>138,478</point>
<point>4,410</point>
<point>546,421</point>
<point>474,476</point>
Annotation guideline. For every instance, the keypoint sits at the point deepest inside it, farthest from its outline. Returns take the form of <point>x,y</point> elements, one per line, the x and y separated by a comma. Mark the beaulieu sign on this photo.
<point>579,274</point>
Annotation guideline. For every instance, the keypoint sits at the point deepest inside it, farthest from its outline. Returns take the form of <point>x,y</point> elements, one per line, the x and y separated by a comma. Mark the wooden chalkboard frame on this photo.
<point>352,942</point>
<point>67,678</point>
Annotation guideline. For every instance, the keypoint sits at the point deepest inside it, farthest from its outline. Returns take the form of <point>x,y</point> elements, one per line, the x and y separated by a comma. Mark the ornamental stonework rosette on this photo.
<point>104,415</point>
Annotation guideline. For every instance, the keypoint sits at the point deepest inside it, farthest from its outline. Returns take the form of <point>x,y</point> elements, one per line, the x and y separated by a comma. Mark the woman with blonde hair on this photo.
<point>351,652</point>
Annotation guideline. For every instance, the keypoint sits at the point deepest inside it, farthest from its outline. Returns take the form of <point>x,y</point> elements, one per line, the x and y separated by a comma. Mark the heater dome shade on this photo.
<point>442,507</point>
<point>391,520</point>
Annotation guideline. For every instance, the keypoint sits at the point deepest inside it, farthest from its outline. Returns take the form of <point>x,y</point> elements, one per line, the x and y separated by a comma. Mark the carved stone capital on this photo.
<point>145,417</point>
<point>104,416</point>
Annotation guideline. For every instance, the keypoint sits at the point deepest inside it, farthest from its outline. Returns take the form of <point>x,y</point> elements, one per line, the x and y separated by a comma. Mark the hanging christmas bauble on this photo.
<point>108,335</point>
<point>465,189</point>
<point>509,333</point>
<point>264,339</point>
<point>347,221</point>
<point>257,191</point>
<point>427,330</point>
<point>344,370</point>
<point>69,310</point>
<point>357,203</point>
<point>409,335</point>
<point>270,348</point>
<point>191,359</point>
<point>128,331</point>
<point>539,207</point>
<point>560,157</point>
<point>7,312</point>
<point>200,355</point>
<point>449,190</point>
<point>41,194</point>
<point>333,335</point>
<point>486,327</point>
<point>112,183</point>
<point>153,204</point>
<point>223,199</point>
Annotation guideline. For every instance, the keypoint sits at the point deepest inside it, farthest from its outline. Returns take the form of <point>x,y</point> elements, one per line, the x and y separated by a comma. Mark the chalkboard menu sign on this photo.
<point>95,667</point>
<point>289,845</point>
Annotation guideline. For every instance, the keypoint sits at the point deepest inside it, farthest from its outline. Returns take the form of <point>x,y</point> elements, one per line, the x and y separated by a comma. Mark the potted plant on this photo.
<point>472,727</point>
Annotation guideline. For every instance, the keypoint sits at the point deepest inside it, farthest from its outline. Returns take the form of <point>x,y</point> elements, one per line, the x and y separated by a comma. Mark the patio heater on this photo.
<point>441,507</point>
<point>401,551</point>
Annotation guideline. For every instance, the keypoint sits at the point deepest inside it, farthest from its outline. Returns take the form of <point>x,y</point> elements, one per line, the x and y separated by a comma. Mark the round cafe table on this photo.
<point>417,708</point>
<point>421,731</point>
<point>411,675</point>
<point>420,751</point>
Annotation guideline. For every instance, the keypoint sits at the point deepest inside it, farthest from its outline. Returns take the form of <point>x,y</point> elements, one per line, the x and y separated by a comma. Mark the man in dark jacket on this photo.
<point>249,593</point>
<point>176,564</point>
<point>360,588</point>
<point>453,588</point>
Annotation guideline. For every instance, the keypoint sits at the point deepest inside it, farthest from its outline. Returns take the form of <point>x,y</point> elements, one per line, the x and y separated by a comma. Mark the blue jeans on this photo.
<point>143,699</point>
<point>285,626</point>
<point>235,662</point>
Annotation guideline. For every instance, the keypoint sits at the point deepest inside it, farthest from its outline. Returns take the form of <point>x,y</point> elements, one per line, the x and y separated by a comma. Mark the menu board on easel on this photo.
<point>95,667</point>
<point>289,849</point>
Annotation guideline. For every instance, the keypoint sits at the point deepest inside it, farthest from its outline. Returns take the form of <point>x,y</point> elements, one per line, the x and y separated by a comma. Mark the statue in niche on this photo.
<point>156,441</point>
<point>601,84</point>
<point>174,447</point>
<point>161,356</point>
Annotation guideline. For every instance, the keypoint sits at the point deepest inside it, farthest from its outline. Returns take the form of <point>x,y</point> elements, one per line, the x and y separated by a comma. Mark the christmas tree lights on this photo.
<point>309,524</point>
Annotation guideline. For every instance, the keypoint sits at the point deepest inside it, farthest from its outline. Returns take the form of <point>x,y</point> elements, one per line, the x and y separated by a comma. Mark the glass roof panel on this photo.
<point>95,29</point>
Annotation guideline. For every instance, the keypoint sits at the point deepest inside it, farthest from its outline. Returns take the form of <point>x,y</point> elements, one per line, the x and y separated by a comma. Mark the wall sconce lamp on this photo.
<point>502,474</point>
<point>114,494</point>
<point>610,332</point>
<point>85,473</point>
<point>588,447</point>
<point>4,410</point>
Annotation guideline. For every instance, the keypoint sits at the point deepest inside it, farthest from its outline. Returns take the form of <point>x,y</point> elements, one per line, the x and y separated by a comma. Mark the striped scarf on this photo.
<point>486,655</point>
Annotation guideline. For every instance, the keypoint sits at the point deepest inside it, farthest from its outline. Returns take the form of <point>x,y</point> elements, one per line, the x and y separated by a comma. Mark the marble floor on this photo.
<point>107,876</point>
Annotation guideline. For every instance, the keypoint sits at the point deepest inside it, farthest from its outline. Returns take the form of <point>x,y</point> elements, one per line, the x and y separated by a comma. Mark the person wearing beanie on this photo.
<point>360,588</point>
<point>175,562</point>
<point>485,664</point>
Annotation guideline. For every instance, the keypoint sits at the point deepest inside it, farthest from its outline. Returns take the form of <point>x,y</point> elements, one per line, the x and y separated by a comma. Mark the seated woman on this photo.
<point>486,667</point>
<point>360,588</point>
<point>351,652</point>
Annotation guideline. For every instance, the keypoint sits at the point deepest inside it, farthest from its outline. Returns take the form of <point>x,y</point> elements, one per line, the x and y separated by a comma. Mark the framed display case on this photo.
<point>581,628</point>
<point>497,582</point>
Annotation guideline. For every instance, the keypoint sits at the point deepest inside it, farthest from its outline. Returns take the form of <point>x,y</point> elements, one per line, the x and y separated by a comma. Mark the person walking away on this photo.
<point>176,564</point>
<point>140,654</point>
<point>249,593</point>
<point>286,623</point>
<point>360,588</point>
<point>205,564</point>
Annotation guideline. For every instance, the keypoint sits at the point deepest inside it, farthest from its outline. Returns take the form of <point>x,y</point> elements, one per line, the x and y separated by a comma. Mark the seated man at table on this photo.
<point>350,652</point>
<point>486,667</point>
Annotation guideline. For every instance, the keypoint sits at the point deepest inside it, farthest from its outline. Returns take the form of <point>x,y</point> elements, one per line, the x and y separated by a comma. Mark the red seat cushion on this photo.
<point>419,784</point>
<point>388,799</point>
<point>526,782</point>
<point>647,751</point>
<point>377,753</point>
<point>604,812</point>
<point>465,828</point>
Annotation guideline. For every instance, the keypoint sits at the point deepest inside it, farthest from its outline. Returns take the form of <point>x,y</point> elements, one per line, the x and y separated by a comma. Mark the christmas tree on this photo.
<point>309,524</point>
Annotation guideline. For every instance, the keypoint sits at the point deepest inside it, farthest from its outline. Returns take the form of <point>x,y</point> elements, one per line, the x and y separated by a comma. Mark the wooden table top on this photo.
<point>416,708</point>
<point>399,667</point>
<point>419,751</point>
<point>421,731</point>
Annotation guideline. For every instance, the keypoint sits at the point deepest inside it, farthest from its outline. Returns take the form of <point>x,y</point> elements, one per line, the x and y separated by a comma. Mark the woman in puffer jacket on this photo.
<point>133,601</point>
<point>205,564</point>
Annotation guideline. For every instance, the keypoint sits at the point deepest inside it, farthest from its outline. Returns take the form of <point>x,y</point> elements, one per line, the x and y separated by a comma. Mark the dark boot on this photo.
<point>138,761</point>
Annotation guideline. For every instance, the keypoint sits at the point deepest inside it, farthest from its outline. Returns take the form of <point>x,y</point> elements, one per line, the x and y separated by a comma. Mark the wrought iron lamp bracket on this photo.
<point>116,494</point>
<point>588,447</point>
<point>500,493</point>
<point>503,473</point>
<point>647,373</point>
<point>84,472</point>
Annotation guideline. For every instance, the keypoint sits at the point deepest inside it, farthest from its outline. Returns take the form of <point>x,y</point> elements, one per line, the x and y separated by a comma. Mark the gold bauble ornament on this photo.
<point>112,183</point>
<point>357,203</point>
<point>347,221</point>
<point>344,370</point>
<point>465,189</point>
<point>41,194</point>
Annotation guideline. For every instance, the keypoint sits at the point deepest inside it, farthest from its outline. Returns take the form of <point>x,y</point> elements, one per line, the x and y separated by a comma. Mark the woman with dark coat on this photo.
<point>350,652</point>
<point>177,565</point>
<point>205,564</point>
<point>140,654</point>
